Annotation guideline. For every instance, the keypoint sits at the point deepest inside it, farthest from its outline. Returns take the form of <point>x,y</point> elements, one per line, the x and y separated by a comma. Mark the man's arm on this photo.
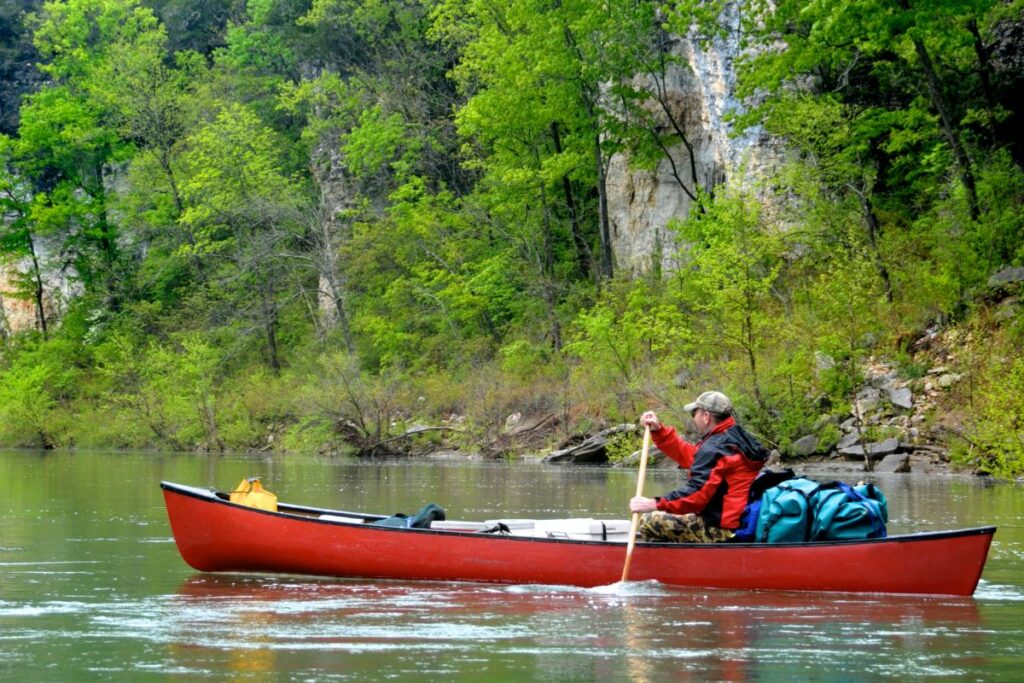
<point>669,442</point>
<point>706,476</point>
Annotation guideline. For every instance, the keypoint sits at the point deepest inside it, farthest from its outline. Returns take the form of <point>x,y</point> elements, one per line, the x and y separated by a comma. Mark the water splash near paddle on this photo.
<point>631,589</point>
<point>650,588</point>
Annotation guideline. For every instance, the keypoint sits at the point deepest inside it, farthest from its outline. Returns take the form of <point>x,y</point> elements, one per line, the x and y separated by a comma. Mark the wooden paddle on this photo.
<point>639,492</point>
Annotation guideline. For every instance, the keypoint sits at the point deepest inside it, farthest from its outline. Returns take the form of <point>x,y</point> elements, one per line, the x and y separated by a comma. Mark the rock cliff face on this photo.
<point>18,74</point>
<point>18,313</point>
<point>700,93</point>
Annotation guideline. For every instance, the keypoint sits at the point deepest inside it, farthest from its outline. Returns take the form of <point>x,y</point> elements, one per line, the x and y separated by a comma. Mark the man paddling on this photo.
<point>722,465</point>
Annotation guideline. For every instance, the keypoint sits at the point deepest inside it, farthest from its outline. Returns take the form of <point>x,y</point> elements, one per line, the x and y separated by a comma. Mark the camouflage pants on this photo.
<point>664,527</point>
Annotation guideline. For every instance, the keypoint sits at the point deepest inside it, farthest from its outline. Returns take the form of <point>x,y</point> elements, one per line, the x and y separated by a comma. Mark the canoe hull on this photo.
<point>214,535</point>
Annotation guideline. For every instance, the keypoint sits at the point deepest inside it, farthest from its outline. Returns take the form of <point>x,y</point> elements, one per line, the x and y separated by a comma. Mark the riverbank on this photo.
<point>940,399</point>
<point>917,407</point>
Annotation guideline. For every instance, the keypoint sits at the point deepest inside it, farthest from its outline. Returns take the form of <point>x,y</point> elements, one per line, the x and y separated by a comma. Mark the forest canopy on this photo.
<point>313,224</point>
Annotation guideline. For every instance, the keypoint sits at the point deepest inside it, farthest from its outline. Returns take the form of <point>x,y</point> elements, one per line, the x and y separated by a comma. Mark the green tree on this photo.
<point>242,210</point>
<point>539,115</point>
<point>911,51</point>
<point>68,140</point>
<point>733,261</point>
<point>629,341</point>
<point>19,236</point>
<point>839,142</point>
<point>35,384</point>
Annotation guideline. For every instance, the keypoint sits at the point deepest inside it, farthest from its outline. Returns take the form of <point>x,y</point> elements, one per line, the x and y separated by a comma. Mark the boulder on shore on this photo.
<point>895,463</point>
<point>804,446</point>
<point>872,451</point>
<point>592,450</point>
<point>1007,276</point>
<point>655,460</point>
<point>849,439</point>
<point>901,398</point>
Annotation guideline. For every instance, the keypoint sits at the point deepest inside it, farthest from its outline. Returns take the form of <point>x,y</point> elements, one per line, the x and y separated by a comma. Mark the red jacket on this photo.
<point>722,466</point>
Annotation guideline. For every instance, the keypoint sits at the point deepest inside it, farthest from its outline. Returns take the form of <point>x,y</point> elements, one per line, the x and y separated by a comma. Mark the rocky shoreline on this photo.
<point>895,424</point>
<point>903,417</point>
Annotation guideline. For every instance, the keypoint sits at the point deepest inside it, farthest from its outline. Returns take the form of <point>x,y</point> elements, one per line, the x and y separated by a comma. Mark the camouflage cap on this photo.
<point>711,401</point>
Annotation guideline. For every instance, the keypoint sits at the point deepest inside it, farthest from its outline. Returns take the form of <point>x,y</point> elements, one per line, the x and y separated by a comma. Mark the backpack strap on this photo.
<point>810,510</point>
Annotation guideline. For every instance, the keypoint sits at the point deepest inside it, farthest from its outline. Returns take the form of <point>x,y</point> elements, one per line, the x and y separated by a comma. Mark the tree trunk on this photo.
<point>548,275</point>
<point>37,281</point>
<point>270,328</point>
<point>985,74</point>
<point>748,325</point>
<point>607,267</point>
<point>165,164</point>
<point>949,128</point>
<point>590,96</point>
<point>874,229</point>
<point>583,255</point>
<point>661,90</point>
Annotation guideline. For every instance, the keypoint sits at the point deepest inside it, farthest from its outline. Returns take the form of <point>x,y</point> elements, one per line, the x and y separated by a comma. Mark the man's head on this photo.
<point>709,409</point>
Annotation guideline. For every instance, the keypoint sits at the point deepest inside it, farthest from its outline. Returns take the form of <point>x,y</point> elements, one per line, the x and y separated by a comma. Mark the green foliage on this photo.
<point>734,260</point>
<point>522,359</point>
<point>169,388</point>
<point>625,339</point>
<point>909,368</point>
<point>334,219</point>
<point>621,446</point>
<point>996,433</point>
<point>33,389</point>
<point>312,434</point>
<point>375,140</point>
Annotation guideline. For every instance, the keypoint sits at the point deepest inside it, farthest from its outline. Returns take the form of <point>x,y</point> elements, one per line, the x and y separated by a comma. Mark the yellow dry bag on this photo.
<point>250,492</point>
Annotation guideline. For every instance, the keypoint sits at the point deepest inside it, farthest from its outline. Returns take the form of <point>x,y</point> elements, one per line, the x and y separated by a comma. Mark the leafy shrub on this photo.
<point>996,432</point>
<point>33,389</point>
<point>621,446</point>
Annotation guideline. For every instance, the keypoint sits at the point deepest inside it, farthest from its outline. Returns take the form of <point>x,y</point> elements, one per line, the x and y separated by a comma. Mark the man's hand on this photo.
<point>650,419</point>
<point>641,504</point>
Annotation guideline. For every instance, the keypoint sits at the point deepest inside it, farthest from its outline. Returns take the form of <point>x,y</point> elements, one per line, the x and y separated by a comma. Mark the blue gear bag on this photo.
<point>802,510</point>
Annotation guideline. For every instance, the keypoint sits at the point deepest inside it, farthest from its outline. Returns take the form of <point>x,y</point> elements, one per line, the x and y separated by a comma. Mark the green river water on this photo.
<point>93,588</point>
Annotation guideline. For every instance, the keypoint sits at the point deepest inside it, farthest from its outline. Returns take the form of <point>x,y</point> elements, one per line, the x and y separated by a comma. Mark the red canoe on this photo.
<point>214,535</point>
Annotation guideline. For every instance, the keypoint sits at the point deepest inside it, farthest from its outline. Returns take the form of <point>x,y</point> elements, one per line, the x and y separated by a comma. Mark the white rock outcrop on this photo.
<point>701,92</point>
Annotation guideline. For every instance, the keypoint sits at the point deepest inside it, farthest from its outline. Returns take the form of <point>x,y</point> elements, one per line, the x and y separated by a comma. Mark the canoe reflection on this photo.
<point>767,606</point>
<point>637,631</point>
<point>735,633</point>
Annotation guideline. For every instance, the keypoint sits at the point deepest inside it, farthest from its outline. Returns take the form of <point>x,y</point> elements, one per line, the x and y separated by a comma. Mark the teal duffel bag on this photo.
<point>786,513</point>
<point>843,512</point>
<point>802,510</point>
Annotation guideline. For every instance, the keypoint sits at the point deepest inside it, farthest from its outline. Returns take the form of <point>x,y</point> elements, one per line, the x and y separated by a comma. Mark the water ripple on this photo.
<point>995,591</point>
